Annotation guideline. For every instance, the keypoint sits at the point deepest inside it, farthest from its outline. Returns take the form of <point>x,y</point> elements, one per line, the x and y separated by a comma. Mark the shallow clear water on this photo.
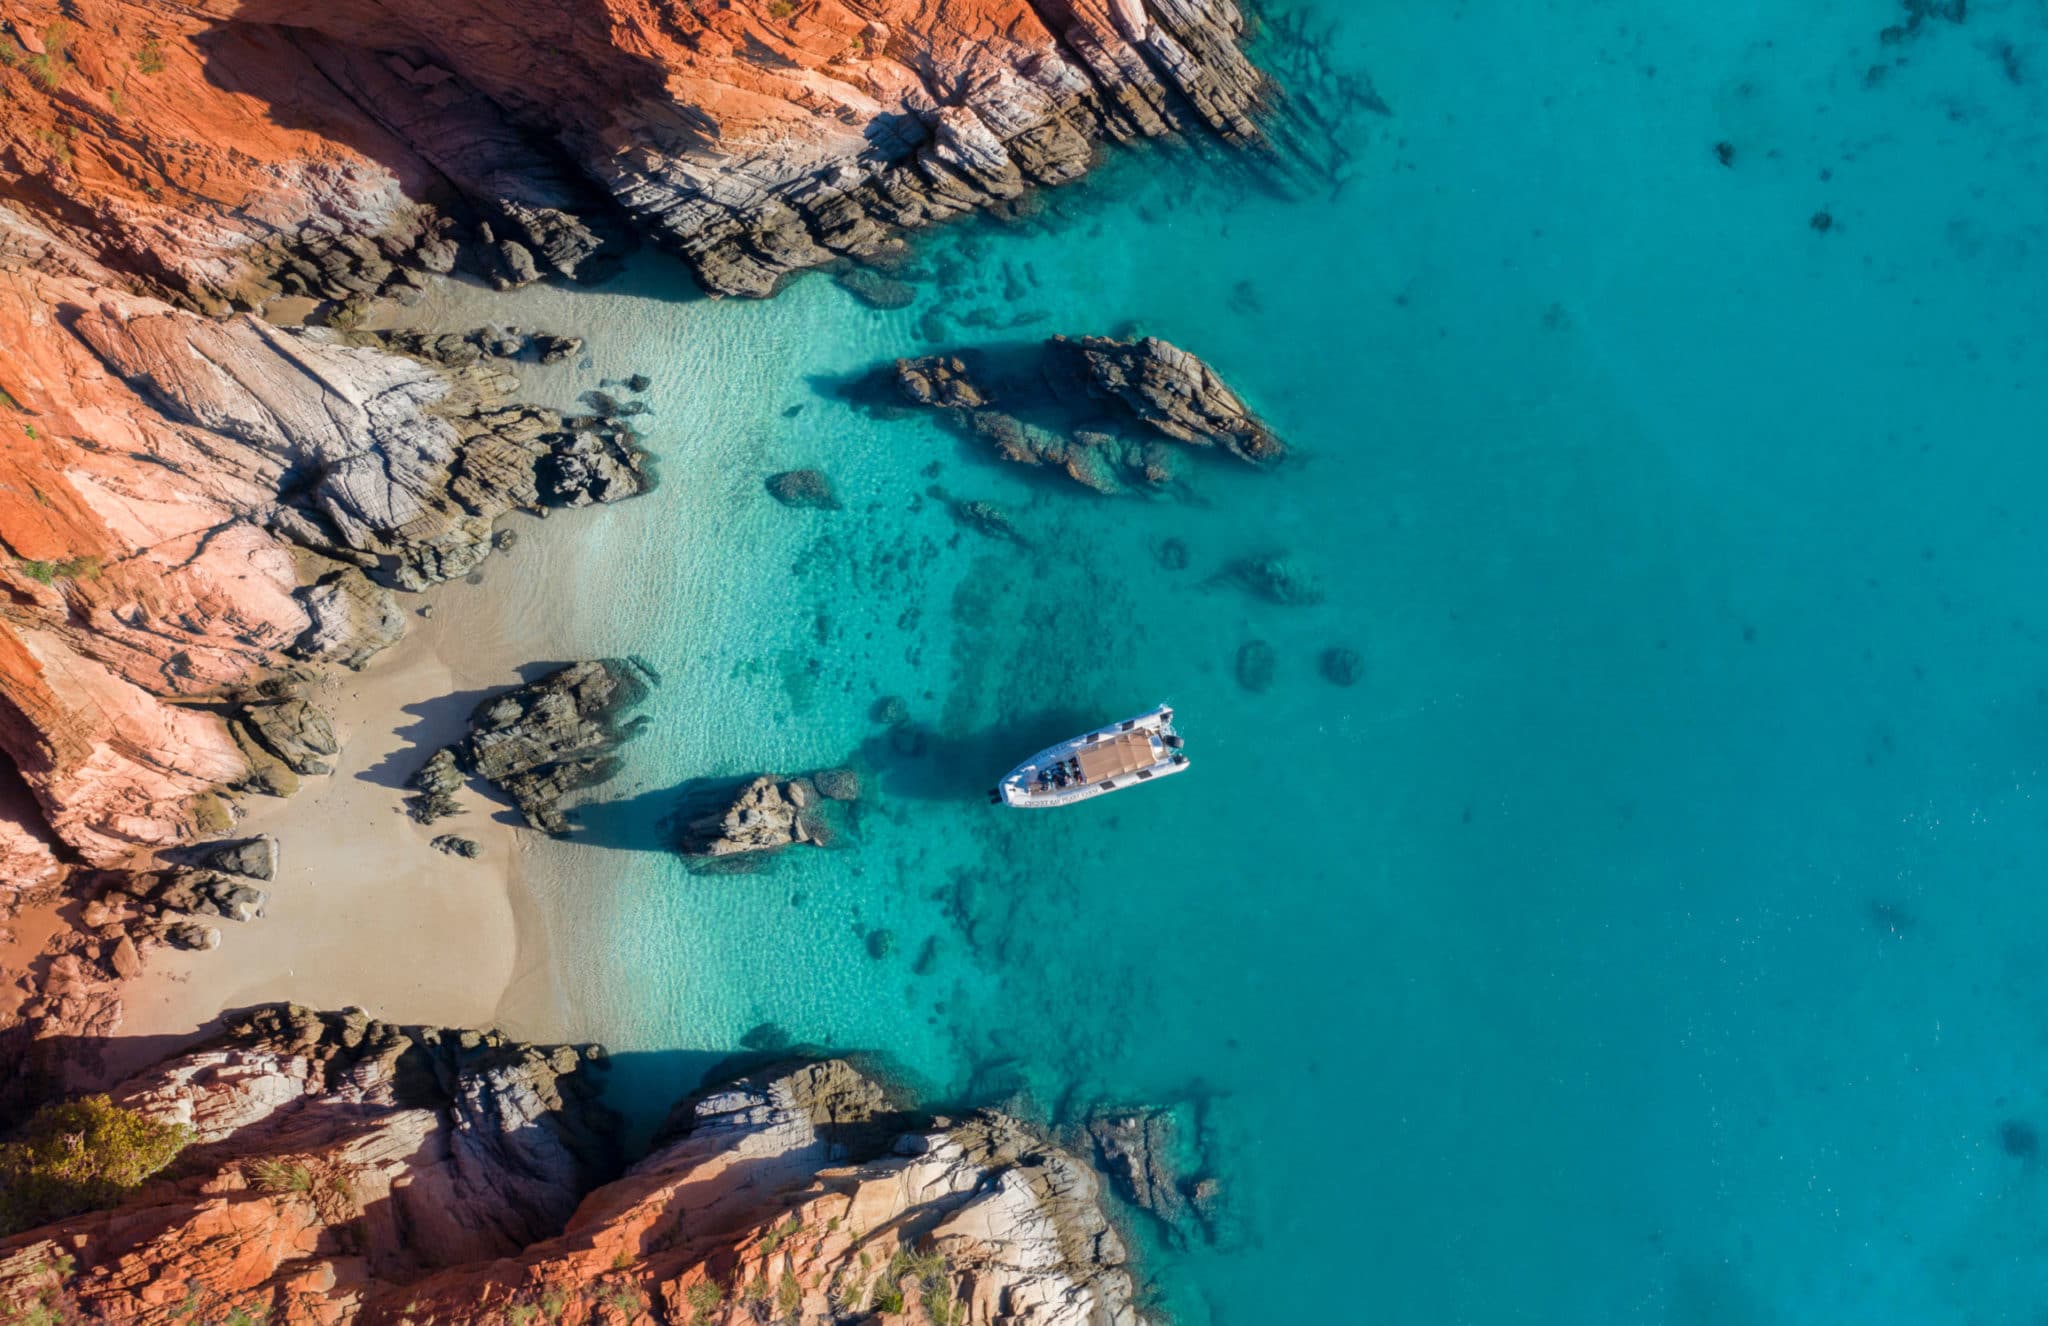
<point>1653,934</point>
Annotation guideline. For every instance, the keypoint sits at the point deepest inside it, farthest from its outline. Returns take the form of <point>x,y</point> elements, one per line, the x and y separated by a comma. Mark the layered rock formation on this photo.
<point>344,1170</point>
<point>752,138</point>
<point>1099,408</point>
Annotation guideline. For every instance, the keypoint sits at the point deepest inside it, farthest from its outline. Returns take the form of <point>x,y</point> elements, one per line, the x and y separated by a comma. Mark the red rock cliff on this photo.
<point>344,1170</point>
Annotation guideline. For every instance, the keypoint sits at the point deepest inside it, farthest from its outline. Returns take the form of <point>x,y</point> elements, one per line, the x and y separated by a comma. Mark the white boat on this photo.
<point>1095,764</point>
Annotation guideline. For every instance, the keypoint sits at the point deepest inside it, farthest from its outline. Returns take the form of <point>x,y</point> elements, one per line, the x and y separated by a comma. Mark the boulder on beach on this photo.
<point>543,740</point>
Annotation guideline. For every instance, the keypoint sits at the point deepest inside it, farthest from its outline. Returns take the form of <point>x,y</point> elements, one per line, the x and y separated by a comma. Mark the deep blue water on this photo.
<point>1653,934</point>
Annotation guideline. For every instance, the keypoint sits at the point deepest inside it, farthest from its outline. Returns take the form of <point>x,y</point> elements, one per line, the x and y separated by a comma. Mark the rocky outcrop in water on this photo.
<point>345,1170</point>
<point>767,814</point>
<point>1100,409</point>
<point>543,740</point>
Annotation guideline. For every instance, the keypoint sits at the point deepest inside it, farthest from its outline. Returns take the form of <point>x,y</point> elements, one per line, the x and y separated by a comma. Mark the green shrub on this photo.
<point>788,1293</point>
<point>276,1176</point>
<point>71,568</point>
<point>150,59</point>
<point>80,1155</point>
<point>48,68</point>
<point>703,1299</point>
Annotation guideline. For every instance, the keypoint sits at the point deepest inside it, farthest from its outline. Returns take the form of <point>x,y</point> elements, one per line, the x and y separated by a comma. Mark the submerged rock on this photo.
<point>1138,1149</point>
<point>1256,664</point>
<point>804,488</point>
<point>840,784</point>
<point>989,520</point>
<point>1341,666</point>
<point>543,740</point>
<point>876,290</point>
<point>1274,577</point>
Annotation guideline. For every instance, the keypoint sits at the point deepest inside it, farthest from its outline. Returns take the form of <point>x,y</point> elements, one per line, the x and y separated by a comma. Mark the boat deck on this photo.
<point>1108,759</point>
<point>1126,752</point>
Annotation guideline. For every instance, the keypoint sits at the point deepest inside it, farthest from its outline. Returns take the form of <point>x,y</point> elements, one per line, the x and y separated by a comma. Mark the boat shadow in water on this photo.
<point>903,761</point>
<point>919,763</point>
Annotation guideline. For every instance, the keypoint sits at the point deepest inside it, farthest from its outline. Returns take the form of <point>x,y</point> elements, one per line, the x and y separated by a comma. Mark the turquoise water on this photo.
<point>1653,933</point>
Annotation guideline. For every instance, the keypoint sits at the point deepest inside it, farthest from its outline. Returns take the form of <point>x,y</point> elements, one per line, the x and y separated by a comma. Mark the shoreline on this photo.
<point>364,910</point>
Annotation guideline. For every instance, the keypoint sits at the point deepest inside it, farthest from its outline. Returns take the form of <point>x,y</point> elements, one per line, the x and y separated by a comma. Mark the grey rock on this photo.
<point>255,857</point>
<point>592,466</point>
<point>191,935</point>
<point>1119,405</point>
<point>541,741</point>
<point>455,845</point>
<point>297,732</point>
<point>435,783</point>
<point>208,893</point>
<point>352,619</point>
<point>1173,392</point>
<point>767,814</point>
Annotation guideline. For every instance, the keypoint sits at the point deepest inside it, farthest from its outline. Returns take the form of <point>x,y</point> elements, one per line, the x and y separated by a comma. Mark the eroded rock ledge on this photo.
<point>345,1170</point>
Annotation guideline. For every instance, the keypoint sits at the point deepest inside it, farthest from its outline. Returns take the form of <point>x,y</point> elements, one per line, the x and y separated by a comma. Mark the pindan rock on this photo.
<point>345,1170</point>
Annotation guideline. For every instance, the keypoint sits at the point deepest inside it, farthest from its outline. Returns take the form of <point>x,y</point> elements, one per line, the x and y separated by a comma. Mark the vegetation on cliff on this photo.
<point>80,1155</point>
